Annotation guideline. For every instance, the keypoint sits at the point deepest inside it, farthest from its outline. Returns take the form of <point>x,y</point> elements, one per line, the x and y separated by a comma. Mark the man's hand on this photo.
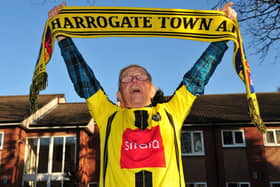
<point>53,12</point>
<point>230,12</point>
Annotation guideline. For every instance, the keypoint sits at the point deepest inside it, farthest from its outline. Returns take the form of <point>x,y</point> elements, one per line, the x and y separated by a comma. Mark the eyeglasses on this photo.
<point>139,77</point>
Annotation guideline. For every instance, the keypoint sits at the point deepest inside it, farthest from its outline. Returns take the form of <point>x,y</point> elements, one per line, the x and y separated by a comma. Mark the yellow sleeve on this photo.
<point>179,105</point>
<point>100,108</point>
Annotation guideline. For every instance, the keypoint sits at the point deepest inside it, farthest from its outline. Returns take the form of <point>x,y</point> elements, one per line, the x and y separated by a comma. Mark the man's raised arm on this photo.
<point>81,75</point>
<point>196,79</point>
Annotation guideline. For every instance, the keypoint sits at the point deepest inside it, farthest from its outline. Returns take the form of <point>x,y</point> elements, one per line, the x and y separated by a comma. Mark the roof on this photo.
<point>233,108</point>
<point>66,114</point>
<point>223,108</point>
<point>270,106</point>
<point>14,109</point>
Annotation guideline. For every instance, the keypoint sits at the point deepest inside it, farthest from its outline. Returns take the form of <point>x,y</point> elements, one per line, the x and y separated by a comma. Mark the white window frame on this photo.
<point>2,140</point>
<point>197,183</point>
<point>274,182</point>
<point>239,183</point>
<point>234,144</point>
<point>202,153</point>
<point>59,176</point>
<point>274,136</point>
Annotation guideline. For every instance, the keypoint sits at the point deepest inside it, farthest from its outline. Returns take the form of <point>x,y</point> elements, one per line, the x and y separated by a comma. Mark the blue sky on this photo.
<point>167,59</point>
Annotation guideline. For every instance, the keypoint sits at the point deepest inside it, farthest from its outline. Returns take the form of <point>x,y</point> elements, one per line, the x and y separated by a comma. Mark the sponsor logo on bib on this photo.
<point>142,148</point>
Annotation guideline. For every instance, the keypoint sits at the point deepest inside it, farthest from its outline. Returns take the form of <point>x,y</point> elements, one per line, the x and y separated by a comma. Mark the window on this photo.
<point>274,184</point>
<point>1,140</point>
<point>93,184</point>
<point>196,184</point>
<point>272,137</point>
<point>49,161</point>
<point>233,138</point>
<point>238,184</point>
<point>192,143</point>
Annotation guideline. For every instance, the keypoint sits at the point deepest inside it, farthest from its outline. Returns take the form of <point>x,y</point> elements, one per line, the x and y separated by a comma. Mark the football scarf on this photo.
<point>91,22</point>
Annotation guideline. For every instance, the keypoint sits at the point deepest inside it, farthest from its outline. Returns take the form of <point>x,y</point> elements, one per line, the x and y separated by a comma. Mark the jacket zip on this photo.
<point>143,179</point>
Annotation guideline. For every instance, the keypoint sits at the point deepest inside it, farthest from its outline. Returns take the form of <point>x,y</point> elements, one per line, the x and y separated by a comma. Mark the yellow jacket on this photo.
<point>141,148</point>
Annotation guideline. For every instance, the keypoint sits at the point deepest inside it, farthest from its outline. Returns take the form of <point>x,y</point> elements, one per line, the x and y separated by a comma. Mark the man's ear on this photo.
<point>120,99</point>
<point>153,91</point>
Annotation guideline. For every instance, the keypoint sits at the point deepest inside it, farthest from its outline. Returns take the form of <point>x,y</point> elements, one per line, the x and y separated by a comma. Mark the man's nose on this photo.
<point>134,78</point>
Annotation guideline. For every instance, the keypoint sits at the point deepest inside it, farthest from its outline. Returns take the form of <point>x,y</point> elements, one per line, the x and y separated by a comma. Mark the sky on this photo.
<point>167,59</point>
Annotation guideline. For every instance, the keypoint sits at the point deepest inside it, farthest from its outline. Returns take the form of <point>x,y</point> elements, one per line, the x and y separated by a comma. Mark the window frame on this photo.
<point>2,140</point>
<point>197,183</point>
<point>233,137</point>
<point>202,153</point>
<point>239,183</point>
<point>92,183</point>
<point>274,136</point>
<point>274,182</point>
<point>49,175</point>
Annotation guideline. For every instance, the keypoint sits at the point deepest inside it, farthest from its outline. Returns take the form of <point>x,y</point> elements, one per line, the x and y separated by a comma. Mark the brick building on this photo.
<point>59,145</point>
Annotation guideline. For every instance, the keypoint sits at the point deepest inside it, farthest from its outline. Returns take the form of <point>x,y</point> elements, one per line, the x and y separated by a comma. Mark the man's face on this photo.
<point>136,90</point>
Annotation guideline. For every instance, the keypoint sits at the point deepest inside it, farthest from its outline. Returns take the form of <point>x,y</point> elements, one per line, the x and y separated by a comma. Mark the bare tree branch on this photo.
<point>260,20</point>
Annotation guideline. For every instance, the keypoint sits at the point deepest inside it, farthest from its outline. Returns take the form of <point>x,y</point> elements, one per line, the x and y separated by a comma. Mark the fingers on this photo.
<point>63,4</point>
<point>54,11</point>
<point>229,11</point>
<point>228,5</point>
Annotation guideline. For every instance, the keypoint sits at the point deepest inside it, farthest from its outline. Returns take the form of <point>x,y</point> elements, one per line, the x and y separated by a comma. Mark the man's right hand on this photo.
<point>53,12</point>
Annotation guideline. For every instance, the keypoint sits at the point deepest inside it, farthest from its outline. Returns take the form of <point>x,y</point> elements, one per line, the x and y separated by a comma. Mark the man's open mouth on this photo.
<point>136,90</point>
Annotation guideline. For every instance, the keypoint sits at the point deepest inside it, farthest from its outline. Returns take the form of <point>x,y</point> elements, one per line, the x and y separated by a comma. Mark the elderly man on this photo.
<point>139,142</point>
